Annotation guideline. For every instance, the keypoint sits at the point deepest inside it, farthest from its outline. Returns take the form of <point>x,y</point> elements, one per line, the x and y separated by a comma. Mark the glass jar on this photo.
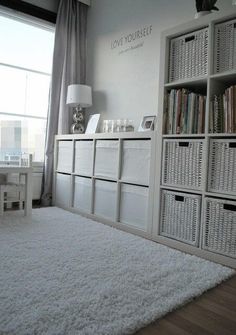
<point>105,126</point>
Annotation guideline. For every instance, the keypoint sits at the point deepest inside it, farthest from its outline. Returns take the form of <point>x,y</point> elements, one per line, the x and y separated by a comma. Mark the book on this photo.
<point>185,112</point>
<point>223,112</point>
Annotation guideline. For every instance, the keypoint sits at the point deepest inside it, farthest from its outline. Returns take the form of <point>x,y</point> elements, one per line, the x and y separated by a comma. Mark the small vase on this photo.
<point>202,13</point>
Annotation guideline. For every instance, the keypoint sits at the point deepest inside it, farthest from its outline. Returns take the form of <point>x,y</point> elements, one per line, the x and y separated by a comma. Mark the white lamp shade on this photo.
<point>79,95</point>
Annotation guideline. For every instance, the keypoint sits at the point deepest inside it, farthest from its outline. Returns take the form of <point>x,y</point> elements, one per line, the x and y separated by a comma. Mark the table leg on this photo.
<point>28,193</point>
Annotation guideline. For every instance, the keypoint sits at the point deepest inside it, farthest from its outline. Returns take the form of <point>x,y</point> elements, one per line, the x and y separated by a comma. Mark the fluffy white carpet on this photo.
<point>63,274</point>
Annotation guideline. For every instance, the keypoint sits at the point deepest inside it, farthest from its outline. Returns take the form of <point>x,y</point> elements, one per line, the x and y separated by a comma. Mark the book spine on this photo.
<point>178,116</point>
<point>234,107</point>
<point>211,118</point>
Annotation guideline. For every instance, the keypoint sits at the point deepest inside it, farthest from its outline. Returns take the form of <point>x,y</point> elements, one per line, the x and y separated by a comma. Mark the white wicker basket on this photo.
<point>189,55</point>
<point>180,216</point>
<point>222,166</point>
<point>225,46</point>
<point>219,233</point>
<point>182,163</point>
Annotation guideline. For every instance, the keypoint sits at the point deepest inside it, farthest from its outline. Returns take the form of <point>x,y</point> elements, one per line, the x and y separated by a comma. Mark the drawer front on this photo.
<point>134,206</point>
<point>106,159</point>
<point>65,156</point>
<point>105,199</point>
<point>136,161</point>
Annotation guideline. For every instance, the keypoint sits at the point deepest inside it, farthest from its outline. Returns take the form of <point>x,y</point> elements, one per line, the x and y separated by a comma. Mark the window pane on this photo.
<point>28,90</point>
<point>37,93</point>
<point>25,45</point>
<point>22,135</point>
<point>12,88</point>
<point>25,73</point>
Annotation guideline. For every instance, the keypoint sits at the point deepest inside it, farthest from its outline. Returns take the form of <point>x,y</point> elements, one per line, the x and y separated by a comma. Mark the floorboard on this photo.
<point>212,313</point>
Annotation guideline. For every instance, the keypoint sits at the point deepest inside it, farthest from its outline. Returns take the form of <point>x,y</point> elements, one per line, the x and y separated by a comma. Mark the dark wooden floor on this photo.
<point>212,313</point>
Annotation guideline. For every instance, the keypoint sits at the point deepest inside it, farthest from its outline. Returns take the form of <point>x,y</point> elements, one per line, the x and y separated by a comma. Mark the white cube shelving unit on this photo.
<point>111,178</point>
<point>199,57</point>
<point>196,168</point>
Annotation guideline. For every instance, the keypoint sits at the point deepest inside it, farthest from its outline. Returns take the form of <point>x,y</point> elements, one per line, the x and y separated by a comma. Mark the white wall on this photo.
<point>125,80</point>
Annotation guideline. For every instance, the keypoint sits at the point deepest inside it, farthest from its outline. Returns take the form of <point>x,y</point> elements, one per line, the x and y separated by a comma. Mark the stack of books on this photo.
<point>184,112</point>
<point>223,112</point>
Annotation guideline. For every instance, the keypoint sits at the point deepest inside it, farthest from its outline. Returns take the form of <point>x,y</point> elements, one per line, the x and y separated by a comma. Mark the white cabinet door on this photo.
<point>65,156</point>
<point>134,206</point>
<point>84,158</point>
<point>83,194</point>
<point>63,190</point>
<point>136,161</point>
<point>105,199</point>
<point>106,158</point>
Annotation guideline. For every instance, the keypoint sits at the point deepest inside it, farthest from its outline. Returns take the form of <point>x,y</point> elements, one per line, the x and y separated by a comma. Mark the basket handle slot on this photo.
<point>230,207</point>
<point>179,198</point>
<point>183,144</point>
<point>235,25</point>
<point>232,145</point>
<point>190,38</point>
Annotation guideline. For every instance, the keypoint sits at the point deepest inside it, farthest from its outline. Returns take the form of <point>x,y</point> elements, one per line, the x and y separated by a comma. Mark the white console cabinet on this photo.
<point>107,177</point>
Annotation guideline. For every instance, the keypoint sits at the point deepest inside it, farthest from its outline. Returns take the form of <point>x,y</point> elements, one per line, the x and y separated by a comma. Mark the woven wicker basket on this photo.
<point>225,46</point>
<point>182,163</point>
<point>180,216</point>
<point>189,55</point>
<point>219,233</point>
<point>222,166</point>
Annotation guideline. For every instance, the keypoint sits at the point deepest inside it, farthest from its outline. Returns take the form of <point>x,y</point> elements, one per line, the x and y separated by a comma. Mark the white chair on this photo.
<point>13,191</point>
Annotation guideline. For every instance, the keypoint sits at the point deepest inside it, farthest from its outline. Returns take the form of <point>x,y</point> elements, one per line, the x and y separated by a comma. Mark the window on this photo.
<point>25,73</point>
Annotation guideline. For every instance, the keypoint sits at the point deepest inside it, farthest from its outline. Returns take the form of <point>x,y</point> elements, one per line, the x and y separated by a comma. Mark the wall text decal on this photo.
<point>135,36</point>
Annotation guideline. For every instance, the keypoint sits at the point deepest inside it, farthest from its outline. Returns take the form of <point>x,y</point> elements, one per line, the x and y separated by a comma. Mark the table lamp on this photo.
<point>79,97</point>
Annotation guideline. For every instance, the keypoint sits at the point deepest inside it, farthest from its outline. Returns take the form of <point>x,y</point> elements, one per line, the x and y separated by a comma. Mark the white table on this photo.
<point>27,171</point>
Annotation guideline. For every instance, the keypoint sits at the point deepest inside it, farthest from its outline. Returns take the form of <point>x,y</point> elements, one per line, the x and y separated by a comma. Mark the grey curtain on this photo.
<point>69,67</point>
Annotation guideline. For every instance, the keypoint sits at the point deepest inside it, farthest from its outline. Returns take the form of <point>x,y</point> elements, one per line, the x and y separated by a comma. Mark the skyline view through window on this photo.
<point>25,73</point>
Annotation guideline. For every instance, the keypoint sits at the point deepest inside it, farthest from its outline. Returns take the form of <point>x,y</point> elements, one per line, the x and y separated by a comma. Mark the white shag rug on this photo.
<point>64,274</point>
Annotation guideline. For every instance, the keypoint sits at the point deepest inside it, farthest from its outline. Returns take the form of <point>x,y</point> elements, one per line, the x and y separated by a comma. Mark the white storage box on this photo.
<point>182,163</point>
<point>105,199</point>
<point>219,233</point>
<point>83,194</point>
<point>222,166</point>
<point>65,155</point>
<point>136,161</point>
<point>189,55</point>
<point>106,158</point>
<point>225,46</point>
<point>63,190</point>
<point>134,206</point>
<point>84,158</point>
<point>180,216</point>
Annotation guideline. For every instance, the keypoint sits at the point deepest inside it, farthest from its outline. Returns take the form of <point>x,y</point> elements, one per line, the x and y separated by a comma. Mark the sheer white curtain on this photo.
<point>69,67</point>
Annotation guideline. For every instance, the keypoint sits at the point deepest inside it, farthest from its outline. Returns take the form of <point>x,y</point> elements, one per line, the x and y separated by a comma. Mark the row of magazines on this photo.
<point>223,112</point>
<point>184,112</point>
